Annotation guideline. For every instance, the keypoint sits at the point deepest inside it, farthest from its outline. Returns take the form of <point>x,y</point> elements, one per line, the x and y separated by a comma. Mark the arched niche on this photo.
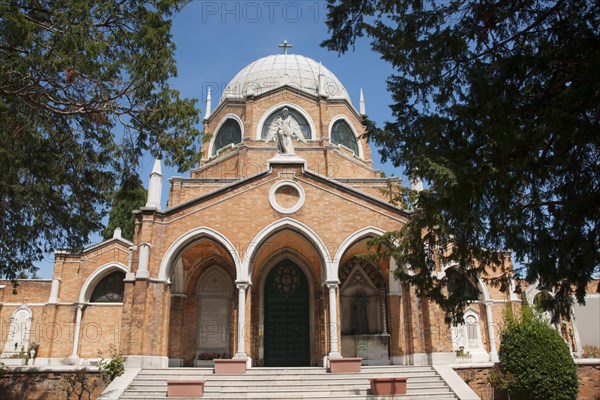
<point>299,115</point>
<point>214,291</point>
<point>466,337</point>
<point>363,306</point>
<point>18,331</point>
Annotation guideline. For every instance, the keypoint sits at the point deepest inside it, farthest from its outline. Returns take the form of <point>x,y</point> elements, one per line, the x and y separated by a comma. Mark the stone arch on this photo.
<point>363,233</point>
<point>198,271</point>
<point>97,276</point>
<point>175,249</point>
<point>484,293</point>
<point>275,227</point>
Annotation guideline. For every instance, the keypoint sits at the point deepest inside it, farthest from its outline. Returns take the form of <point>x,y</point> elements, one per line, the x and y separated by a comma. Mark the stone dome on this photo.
<point>272,72</point>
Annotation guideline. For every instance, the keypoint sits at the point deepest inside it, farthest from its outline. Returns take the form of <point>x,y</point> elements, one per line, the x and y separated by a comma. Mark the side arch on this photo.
<point>360,234</point>
<point>170,256</point>
<point>92,280</point>
<point>482,286</point>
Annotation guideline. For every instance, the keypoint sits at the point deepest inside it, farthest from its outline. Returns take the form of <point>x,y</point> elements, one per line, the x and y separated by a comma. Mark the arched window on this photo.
<point>229,133</point>
<point>304,126</point>
<point>109,289</point>
<point>461,285</point>
<point>342,134</point>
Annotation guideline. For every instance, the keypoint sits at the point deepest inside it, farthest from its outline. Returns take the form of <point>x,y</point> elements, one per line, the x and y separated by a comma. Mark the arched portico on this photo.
<point>282,243</point>
<point>202,270</point>
<point>278,226</point>
<point>363,299</point>
<point>175,249</point>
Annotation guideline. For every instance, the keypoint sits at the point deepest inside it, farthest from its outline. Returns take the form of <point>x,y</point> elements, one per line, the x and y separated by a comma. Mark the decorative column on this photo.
<point>54,290</point>
<point>382,308</point>
<point>491,334</point>
<point>334,351</point>
<point>143,261</point>
<point>74,358</point>
<point>241,344</point>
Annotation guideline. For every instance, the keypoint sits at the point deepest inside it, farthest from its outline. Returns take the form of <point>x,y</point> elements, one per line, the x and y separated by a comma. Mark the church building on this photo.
<point>256,254</point>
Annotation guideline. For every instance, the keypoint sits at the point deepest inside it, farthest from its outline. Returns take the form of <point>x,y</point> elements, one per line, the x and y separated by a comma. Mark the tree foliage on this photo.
<point>131,196</point>
<point>537,358</point>
<point>83,94</point>
<point>497,108</point>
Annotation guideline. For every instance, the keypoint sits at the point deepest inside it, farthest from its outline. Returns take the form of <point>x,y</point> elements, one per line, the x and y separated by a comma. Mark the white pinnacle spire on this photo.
<point>208,104</point>
<point>362,103</point>
<point>416,184</point>
<point>155,186</point>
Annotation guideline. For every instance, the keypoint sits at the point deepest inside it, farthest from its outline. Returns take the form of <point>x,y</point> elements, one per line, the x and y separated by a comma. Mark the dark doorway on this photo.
<point>286,340</point>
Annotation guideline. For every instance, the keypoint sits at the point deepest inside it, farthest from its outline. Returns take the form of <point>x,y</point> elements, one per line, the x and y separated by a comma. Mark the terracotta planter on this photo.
<point>388,386</point>
<point>187,388</point>
<point>344,365</point>
<point>230,366</point>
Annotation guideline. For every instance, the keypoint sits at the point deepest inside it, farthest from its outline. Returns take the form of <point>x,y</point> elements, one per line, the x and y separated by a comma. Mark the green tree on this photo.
<point>496,108</point>
<point>537,359</point>
<point>131,196</point>
<point>83,94</point>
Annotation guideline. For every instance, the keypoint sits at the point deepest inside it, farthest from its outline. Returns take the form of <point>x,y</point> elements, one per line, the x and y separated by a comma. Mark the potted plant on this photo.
<point>388,386</point>
<point>185,388</point>
<point>345,365</point>
<point>230,366</point>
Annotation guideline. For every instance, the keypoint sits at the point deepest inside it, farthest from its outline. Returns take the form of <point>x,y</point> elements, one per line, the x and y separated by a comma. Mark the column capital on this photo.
<point>242,285</point>
<point>332,284</point>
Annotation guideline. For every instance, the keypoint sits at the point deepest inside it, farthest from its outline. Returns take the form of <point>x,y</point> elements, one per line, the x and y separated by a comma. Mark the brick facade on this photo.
<point>227,217</point>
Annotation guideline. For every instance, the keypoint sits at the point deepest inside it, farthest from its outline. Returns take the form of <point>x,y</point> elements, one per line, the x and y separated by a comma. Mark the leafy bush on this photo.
<point>538,359</point>
<point>113,367</point>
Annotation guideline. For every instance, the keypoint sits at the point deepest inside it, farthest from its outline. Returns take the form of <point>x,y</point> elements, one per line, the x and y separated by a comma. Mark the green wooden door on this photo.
<point>286,340</point>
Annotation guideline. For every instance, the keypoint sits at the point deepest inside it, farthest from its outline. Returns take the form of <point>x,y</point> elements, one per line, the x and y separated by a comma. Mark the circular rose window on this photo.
<point>286,197</point>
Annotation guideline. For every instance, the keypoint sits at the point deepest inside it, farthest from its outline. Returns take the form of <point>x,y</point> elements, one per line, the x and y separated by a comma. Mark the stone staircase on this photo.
<point>291,383</point>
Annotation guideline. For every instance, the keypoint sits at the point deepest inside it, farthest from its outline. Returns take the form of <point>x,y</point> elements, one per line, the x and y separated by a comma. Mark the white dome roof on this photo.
<point>275,71</point>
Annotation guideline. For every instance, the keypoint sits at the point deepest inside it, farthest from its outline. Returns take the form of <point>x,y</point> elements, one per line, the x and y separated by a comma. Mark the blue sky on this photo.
<point>216,39</point>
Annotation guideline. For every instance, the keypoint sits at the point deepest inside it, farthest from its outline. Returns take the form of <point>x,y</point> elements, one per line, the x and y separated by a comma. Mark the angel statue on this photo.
<point>284,128</point>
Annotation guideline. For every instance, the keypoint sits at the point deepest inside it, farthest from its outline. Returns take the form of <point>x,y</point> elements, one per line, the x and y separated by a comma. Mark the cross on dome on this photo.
<point>285,46</point>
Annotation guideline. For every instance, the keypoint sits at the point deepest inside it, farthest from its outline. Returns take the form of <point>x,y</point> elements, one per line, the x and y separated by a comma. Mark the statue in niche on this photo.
<point>360,322</point>
<point>283,130</point>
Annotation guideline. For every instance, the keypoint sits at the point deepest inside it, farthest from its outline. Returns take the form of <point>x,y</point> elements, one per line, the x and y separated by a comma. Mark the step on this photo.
<point>291,383</point>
